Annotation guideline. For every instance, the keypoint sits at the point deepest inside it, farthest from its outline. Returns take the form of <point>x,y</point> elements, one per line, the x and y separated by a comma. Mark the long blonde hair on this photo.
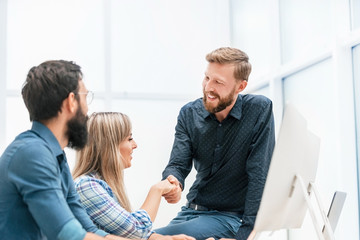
<point>102,153</point>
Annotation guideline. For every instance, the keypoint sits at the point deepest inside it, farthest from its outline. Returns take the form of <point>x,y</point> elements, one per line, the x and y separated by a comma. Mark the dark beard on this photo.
<point>223,102</point>
<point>77,130</point>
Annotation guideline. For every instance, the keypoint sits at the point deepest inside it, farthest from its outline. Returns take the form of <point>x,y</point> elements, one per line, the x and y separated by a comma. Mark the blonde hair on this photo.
<point>227,55</point>
<point>102,153</point>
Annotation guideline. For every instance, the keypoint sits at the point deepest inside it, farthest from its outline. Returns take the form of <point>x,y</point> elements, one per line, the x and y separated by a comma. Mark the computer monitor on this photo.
<point>335,209</point>
<point>296,152</point>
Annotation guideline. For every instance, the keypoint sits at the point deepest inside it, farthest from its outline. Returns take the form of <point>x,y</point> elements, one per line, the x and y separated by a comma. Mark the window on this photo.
<point>253,29</point>
<point>355,14</point>
<point>356,74</point>
<point>306,28</point>
<point>311,91</point>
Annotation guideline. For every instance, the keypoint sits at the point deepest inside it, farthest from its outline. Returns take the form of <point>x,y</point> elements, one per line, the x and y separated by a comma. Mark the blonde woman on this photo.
<point>99,179</point>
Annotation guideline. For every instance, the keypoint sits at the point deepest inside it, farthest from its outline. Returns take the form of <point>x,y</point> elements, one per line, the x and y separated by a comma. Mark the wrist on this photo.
<point>156,189</point>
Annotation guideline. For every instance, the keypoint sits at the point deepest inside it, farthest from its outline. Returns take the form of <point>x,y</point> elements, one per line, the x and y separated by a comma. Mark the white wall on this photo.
<point>143,58</point>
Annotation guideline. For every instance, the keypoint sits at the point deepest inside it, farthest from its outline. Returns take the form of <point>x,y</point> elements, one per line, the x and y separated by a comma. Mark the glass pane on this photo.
<point>41,30</point>
<point>306,28</point>
<point>355,14</point>
<point>356,64</point>
<point>252,30</point>
<point>312,92</point>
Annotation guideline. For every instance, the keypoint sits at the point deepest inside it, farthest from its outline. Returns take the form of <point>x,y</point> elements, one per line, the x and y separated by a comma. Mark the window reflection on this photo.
<point>312,92</point>
<point>355,14</point>
<point>306,28</point>
<point>356,74</point>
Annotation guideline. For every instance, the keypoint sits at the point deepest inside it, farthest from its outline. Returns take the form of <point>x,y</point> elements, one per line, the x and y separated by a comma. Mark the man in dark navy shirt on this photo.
<point>229,138</point>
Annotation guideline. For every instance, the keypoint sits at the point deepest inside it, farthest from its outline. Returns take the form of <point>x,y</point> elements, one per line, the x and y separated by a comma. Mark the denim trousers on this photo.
<point>202,224</point>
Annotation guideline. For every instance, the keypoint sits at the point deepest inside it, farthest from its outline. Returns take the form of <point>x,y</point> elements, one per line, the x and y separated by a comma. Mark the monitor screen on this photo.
<point>283,205</point>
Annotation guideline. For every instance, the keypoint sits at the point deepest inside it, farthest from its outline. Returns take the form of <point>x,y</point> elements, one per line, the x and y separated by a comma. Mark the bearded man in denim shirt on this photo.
<point>37,195</point>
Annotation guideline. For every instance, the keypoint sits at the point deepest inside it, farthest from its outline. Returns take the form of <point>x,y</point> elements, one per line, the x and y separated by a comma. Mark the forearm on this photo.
<point>152,202</point>
<point>180,163</point>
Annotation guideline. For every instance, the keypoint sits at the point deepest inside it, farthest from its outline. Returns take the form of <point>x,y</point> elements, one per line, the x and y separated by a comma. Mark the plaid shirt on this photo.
<point>106,212</point>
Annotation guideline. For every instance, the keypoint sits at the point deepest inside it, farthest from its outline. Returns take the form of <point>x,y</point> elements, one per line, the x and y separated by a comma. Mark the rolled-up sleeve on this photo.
<point>38,180</point>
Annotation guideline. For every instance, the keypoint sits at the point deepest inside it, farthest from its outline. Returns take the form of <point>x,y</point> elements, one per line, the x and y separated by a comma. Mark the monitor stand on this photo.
<point>324,231</point>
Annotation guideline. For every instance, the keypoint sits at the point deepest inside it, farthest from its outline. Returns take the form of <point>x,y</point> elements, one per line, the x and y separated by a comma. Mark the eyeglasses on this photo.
<point>89,96</point>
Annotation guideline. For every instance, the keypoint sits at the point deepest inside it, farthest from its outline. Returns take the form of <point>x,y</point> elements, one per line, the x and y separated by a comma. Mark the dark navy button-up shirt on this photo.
<point>38,199</point>
<point>231,157</point>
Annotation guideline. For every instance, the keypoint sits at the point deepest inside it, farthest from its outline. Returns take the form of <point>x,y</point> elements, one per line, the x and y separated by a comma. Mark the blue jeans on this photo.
<point>202,224</point>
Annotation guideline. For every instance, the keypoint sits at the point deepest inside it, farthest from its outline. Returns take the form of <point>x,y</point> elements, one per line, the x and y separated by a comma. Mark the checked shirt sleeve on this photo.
<point>105,211</point>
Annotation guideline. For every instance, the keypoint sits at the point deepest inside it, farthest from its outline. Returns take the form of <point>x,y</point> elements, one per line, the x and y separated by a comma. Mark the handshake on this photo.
<point>170,189</point>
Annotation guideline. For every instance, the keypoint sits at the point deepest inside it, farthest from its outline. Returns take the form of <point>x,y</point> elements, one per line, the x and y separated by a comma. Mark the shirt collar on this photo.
<point>45,133</point>
<point>235,112</point>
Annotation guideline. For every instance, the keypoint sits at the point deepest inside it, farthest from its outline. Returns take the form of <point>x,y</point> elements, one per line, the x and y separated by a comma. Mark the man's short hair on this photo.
<point>228,55</point>
<point>47,85</point>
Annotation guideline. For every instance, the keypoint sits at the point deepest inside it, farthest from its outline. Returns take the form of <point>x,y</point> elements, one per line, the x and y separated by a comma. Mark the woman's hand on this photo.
<point>164,186</point>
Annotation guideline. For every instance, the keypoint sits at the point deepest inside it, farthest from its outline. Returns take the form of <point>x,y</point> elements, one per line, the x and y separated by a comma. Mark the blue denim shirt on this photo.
<point>37,195</point>
<point>231,157</point>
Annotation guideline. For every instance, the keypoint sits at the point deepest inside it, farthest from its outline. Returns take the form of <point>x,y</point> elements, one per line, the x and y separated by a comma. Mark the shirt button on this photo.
<point>220,125</point>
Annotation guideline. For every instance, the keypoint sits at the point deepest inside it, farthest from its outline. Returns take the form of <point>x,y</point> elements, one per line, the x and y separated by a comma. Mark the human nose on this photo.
<point>208,86</point>
<point>134,145</point>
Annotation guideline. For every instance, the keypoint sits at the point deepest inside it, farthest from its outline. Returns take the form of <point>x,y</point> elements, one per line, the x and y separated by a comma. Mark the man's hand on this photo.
<point>164,186</point>
<point>252,235</point>
<point>156,236</point>
<point>174,195</point>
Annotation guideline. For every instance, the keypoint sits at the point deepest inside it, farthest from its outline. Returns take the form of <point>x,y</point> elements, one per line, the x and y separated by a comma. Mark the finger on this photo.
<point>174,190</point>
<point>172,200</point>
<point>173,179</point>
<point>169,189</point>
<point>171,193</point>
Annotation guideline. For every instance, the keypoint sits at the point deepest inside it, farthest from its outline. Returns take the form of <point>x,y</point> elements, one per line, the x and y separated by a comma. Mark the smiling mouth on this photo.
<point>211,97</point>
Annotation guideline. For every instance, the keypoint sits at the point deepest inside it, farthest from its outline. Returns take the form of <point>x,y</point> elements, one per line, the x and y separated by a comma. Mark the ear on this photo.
<point>242,86</point>
<point>69,103</point>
